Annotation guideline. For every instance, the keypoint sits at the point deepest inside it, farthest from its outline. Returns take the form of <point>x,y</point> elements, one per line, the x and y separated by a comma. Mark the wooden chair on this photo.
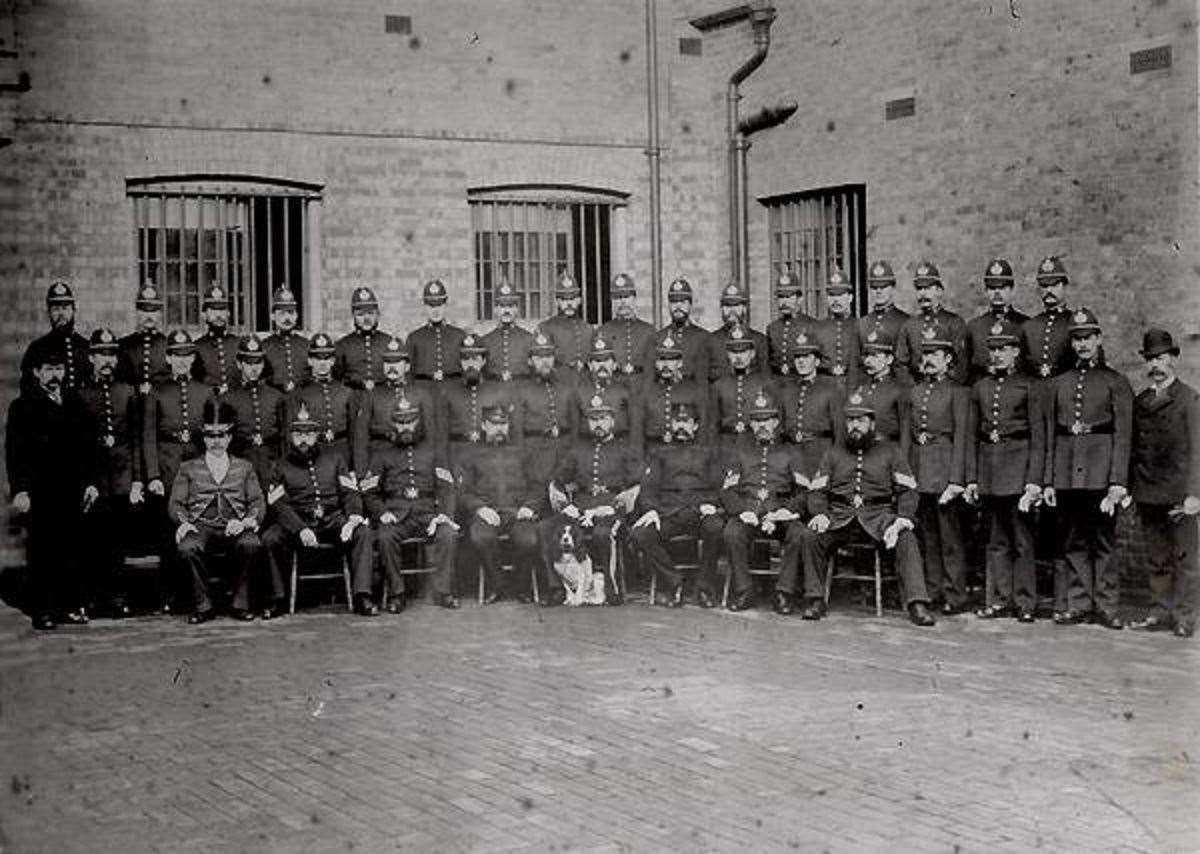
<point>851,551</point>
<point>676,541</point>
<point>505,542</point>
<point>420,563</point>
<point>321,549</point>
<point>771,568</point>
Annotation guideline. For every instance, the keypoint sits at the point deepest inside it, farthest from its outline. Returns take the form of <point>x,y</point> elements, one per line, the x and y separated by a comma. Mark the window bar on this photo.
<point>182,258</point>
<point>141,205</point>
<point>287,242</point>
<point>248,251</point>
<point>270,243</point>
<point>304,274</point>
<point>161,262</point>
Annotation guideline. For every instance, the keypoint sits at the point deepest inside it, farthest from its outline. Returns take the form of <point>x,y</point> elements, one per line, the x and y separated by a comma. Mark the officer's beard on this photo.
<point>763,435</point>
<point>53,388</point>
<point>679,316</point>
<point>105,374</point>
<point>681,433</point>
<point>860,440</point>
<point>305,453</point>
<point>669,375</point>
<point>496,437</point>
<point>404,435</point>
<point>601,434</point>
<point>472,376</point>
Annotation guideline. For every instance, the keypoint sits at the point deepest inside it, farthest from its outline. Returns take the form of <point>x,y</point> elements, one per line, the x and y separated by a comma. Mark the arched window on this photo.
<point>249,235</point>
<point>528,235</point>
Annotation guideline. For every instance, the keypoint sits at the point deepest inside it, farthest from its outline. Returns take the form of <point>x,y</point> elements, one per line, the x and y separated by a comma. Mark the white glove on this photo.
<point>387,518</point>
<point>274,493</point>
<point>441,519</point>
<point>571,511</point>
<point>524,513</point>
<point>558,498</point>
<point>183,530</point>
<point>628,497</point>
<point>90,494</point>
<point>767,527</point>
<point>234,527</point>
<point>156,487</point>
<point>488,515</point>
<point>971,495</point>
<point>20,502</point>
<point>732,478</point>
<point>950,493</point>
<point>1030,498</point>
<point>782,515</point>
<point>1113,499</point>
<point>749,518</point>
<point>819,523</point>
<point>1049,497</point>
<point>137,492</point>
<point>308,538</point>
<point>602,512</point>
<point>708,510</point>
<point>892,533</point>
<point>1191,505</point>
<point>348,529</point>
<point>650,517</point>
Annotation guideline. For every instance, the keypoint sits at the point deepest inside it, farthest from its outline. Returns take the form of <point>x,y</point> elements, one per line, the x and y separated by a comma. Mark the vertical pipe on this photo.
<point>743,273</point>
<point>654,153</point>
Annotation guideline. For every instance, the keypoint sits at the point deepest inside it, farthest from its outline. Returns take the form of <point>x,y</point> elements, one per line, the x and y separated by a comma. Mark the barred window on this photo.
<point>529,236</point>
<point>813,232</point>
<point>249,237</point>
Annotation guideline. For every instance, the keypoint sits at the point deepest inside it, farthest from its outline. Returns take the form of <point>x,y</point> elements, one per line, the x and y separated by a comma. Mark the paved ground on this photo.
<point>619,729</point>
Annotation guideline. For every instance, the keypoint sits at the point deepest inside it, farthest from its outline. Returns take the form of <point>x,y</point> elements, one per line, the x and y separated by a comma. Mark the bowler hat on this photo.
<point>1156,342</point>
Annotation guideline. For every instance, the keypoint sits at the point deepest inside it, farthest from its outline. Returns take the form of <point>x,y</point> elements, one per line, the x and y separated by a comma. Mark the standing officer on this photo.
<point>358,355</point>
<point>142,357</point>
<point>628,333</point>
<point>837,334</point>
<point>760,500</point>
<point>216,349</point>
<point>939,434</point>
<point>332,405</point>
<point>372,426</point>
<point>1006,456</point>
<point>313,498</point>
<point>1091,414</point>
<point>546,410</point>
<point>731,395</point>
<point>812,407</point>
<point>114,412</point>
<point>259,411</point>
<point>286,348</point>
<point>781,331</point>
<point>998,282</point>
<point>689,337</point>
<point>667,390</point>
<point>927,282</point>
<point>409,495</point>
<point>433,348</point>
<point>216,500</point>
<point>1165,475</point>
<point>1045,341</point>
<point>499,495</point>
<point>568,330</point>
<point>884,319</point>
<point>508,342</point>
<point>60,308</point>
<point>864,491</point>
<point>734,307</point>
<point>462,401</point>
<point>49,456</point>
<point>679,497</point>
<point>600,380</point>
<point>885,394</point>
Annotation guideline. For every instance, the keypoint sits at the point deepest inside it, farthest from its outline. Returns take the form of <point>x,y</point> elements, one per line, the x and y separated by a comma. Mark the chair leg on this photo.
<point>829,576</point>
<point>533,578</point>
<point>725,592</point>
<point>878,586</point>
<point>653,583</point>
<point>295,576</point>
<point>481,584</point>
<point>346,578</point>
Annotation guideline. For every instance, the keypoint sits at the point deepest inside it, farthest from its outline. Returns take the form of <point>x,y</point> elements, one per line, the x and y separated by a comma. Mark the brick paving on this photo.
<point>622,729</point>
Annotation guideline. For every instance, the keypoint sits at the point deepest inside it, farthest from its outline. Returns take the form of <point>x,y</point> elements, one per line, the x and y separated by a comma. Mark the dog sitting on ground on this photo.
<point>583,585</point>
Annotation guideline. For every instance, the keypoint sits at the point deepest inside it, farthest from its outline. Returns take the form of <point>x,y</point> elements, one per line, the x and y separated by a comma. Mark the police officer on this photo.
<point>462,401</point>
<point>864,491</point>
<point>758,493</point>
<point>547,409</point>
<point>49,456</point>
<point>885,394</point>
<point>1165,482</point>
<point>407,494</point>
<point>142,357</point>
<point>884,318</point>
<point>114,411</point>
<point>668,389</point>
<point>217,503</point>
<point>433,347</point>
<point>286,348</point>
<point>999,284</point>
<point>927,282</point>
<point>259,411</point>
<point>595,485</point>
<point>731,395</point>
<point>216,349</point>
<point>781,331</point>
<point>1006,456</point>
<point>332,405</point>
<point>939,434</point>
<point>837,334</point>
<point>358,355</point>
<point>313,498</point>
<point>1045,341</point>
<point>60,308</point>
<point>600,380</point>
<point>734,307</point>
<point>499,495</point>
<point>679,497</point>
<point>373,421</point>
<point>812,406</point>
<point>508,342</point>
<point>689,337</point>
<point>627,332</point>
<point>1087,465</point>
<point>568,329</point>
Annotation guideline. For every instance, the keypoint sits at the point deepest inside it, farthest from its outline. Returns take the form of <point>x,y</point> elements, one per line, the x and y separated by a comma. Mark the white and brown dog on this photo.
<point>583,585</point>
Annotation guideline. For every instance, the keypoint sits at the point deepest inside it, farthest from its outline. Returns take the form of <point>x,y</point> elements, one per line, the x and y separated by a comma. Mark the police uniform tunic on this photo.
<point>837,338</point>
<point>656,401</point>
<point>689,338</point>
<point>216,356</point>
<point>502,478</point>
<point>628,338</point>
<point>142,360</point>
<point>891,399</point>
<point>948,326</point>
<point>508,351</point>
<point>74,349</point>
<point>627,416</point>
<point>258,432</point>
<point>372,426</point>
<point>718,359</point>
<point>549,418</point>
<point>333,406</point>
<point>433,350</point>
<point>730,399</point>
<point>286,365</point>
<point>1046,343</point>
<point>812,418</point>
<point>781,333</point>
<point>885,323</point>
<point>571,337</point>
<point>171,429</point>
<point>358,358</point>
<point>461,417</point>
<point>978,330</point>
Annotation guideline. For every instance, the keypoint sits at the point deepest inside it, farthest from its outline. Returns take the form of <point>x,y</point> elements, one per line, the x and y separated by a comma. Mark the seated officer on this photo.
<point>499,496</point>
<point>669,388</point>
<point>731,394</point>
<point>760,499</point>
<point>864,491</point>
<point>216,501</point>
<point>330,403</point>
<point>409,495</point>
<point>258,410</point>
<point>679,496</point>
<point>313,498</point>
<point>595,487</point>
<point>286,348</point>
<point>373,420</point>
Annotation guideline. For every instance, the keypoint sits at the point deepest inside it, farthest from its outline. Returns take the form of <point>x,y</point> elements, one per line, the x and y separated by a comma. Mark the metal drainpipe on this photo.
<point>767,117</point>
<point>761,20</point>
<point>654,153</point>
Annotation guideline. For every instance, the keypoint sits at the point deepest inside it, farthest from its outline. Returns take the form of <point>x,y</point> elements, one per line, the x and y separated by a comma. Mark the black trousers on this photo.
<point>108,527</point>
<point>1011,568</point>
<point>53,551</point>
<point>1093,577</point>
<point>523,536</point>
<point>942,545</point>
<point>816,549</point>
<point>281,545</point>
<point>653,544</point>
<point>198,548</point>
<point>1171,563</point>
<point>738,538</point>
<point>440,549</point>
